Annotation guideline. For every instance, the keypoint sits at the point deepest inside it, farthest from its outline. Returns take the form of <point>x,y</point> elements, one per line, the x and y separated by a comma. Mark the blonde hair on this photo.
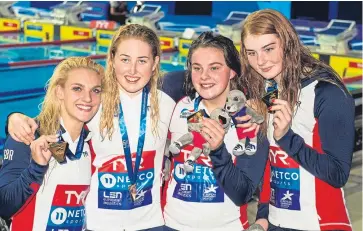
<point>50,107</point>
<point>111,98</point>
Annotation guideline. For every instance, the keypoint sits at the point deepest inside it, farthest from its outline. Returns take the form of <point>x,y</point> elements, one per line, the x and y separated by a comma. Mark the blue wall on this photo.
<point>167,6</point>
<point>44,4</point>
<point>283,7</point>
<point>223,8</point>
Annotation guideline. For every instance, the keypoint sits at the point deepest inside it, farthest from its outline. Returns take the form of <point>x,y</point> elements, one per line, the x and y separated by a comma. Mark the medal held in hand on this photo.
<point>267,99</point>
<point>271,93</point>
<point>197,116</point>
<point>58,150</point>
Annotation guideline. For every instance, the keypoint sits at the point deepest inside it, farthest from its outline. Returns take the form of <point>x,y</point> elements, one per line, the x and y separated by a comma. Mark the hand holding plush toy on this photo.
<point>236,107</point>
<point>194,136</point>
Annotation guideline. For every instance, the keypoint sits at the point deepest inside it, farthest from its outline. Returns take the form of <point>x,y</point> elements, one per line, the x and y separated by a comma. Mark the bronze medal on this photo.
<point>58,150</point>
<point>267,99</point>
<point>197,116</point>
<point>133,191</point>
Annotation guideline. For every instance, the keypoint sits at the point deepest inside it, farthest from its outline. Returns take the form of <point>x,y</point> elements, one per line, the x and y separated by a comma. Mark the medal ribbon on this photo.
<point>132,173</point>
<point>270,85</point>
<point>196,103</point>
<point>196,106</point>
<point>79,148</point>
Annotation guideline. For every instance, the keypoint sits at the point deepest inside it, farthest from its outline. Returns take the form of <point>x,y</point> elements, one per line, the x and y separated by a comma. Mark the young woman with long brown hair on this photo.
<point>310,127</point>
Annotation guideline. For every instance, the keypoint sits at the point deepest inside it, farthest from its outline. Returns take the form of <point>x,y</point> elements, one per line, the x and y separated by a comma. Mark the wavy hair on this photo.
<point>297,61</point>
<point>111,99</point>
<point>231,56</point>
<point>50,107</point>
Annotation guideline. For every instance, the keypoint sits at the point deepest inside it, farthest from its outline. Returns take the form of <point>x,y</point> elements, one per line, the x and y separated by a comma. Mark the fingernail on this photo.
<point>269,108</point>
<point>273,100</point>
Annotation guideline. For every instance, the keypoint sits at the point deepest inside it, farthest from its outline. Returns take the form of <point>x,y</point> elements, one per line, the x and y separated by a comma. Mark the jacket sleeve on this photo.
<point>172,84</point>
<point>241,180</point>
<point>330,156</point>
<point>17,176</point>
<point>264,193</point>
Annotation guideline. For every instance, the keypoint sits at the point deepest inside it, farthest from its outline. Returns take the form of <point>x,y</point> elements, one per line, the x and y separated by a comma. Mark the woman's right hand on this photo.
<point>213,133</point>
<point>22,128</point>
<point>39,149</point>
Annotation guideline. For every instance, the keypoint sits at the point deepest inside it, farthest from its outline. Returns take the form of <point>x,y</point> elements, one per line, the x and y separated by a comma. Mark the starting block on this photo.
<point>231,27</point>
<point>68,13</point>
<point>30,13</point>
<point>6,10</point>
<point>148,15</point>
<point>335,37</point>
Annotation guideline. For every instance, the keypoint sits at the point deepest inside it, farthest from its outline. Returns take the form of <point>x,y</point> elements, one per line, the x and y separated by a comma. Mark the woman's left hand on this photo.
<point>213,133</point>
<point>282,117</point>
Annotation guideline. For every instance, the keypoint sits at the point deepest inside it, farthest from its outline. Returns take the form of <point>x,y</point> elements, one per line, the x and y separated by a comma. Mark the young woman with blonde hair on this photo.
<point>129,143</point>
<point>38,190</point>
<point>125,191</point>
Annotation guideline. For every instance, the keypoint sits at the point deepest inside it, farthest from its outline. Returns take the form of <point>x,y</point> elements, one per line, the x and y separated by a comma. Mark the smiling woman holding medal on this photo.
<point>129,141</point>
<point>42,183</point>
<point>310,127</point>
<point>198,200</point>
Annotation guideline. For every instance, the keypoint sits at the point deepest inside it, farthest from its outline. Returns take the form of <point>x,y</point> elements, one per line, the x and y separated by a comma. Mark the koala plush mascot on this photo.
<point>236,107</point>
<point>195,138</point>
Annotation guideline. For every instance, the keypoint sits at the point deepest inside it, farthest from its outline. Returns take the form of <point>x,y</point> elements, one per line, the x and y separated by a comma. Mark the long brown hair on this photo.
<point>111,98</point>
<point>51,106</point>
<point>298,62</point>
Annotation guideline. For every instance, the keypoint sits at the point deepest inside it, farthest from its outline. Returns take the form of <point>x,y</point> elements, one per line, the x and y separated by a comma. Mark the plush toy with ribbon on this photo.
<point>195,138</point>
<point>236,107</point>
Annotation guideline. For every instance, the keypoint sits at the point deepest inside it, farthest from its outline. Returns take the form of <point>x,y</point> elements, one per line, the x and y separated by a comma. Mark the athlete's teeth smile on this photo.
<point>207,85</point>
<point>132,79</point>
<point>83,107</point>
